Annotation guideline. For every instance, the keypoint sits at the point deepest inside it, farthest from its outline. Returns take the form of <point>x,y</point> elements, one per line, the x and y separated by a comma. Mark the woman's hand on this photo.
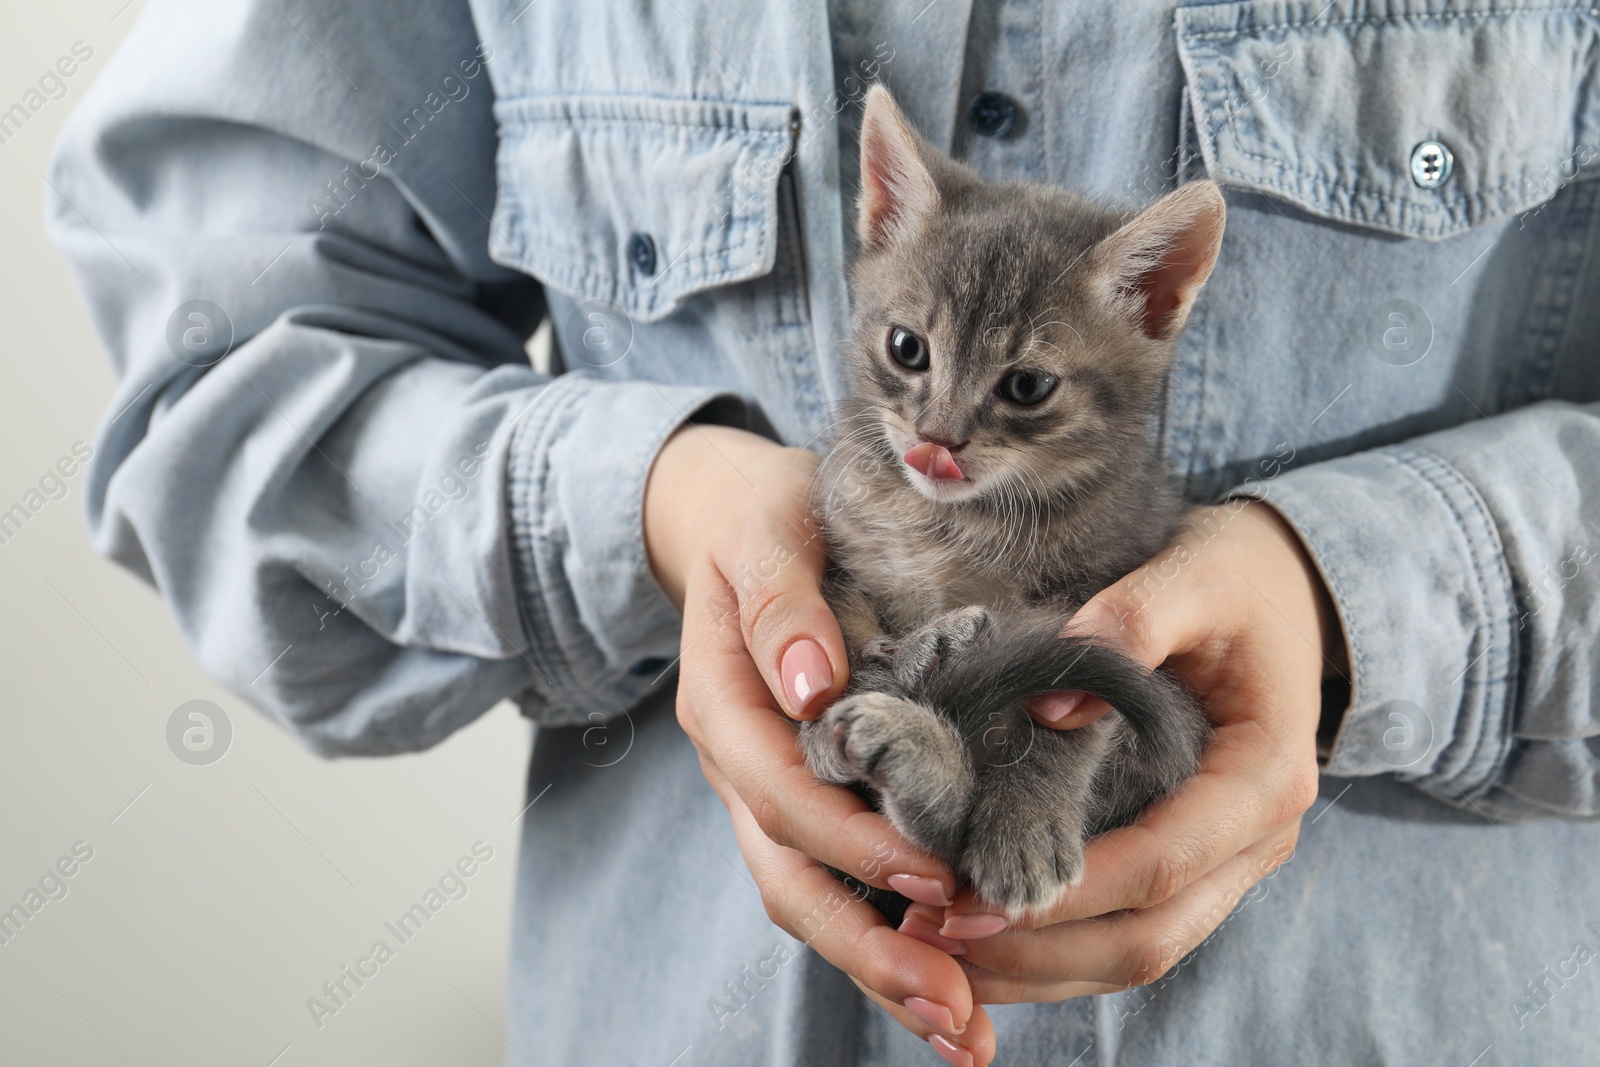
<point>1237,610</point>
<point>728,528</point>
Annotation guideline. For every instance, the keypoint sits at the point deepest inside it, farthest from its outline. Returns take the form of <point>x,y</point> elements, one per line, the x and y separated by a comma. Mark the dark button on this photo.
<point>992,114</point>
<point>645,668</point>
<point>642,253</point>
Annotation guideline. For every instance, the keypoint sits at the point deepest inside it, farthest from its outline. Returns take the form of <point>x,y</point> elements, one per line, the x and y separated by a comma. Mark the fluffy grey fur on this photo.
<point>952,591</point>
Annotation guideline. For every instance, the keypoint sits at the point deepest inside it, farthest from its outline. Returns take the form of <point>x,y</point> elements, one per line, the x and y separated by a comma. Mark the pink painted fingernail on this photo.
<point>972,926</point>
<point>933,1013</point>
<point>806,672</point>
<point>1053,707</point>
<point>949,1051</point>
<point>923,930</point>
<point>920,889</point>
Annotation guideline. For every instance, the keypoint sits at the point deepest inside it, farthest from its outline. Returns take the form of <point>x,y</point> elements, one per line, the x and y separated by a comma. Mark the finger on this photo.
<point>725,707</point>
<point>1245,787</point>
<point>1163,607</point>
<point>1065,709</point>
<point>776,572</point>
<point>1130,949</point>
<point>922,922</point>
<point>812,906</point>
<point>973,1048</point>
<point>991,988</point>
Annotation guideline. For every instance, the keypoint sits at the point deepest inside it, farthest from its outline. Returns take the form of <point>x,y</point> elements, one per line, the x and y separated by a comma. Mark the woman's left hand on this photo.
<point>1237,610</point>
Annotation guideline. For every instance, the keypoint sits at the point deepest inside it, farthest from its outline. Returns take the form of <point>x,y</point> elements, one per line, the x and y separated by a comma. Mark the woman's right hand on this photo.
<point>728,529</point>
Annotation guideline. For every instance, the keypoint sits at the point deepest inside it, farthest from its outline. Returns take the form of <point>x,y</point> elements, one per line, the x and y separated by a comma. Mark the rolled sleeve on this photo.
<point>1461,571</point>
<point>369,516</point>
<point>601,629</point>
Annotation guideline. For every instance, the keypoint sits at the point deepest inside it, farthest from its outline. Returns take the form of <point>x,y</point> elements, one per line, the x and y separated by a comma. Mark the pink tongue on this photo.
<point>933,461</point>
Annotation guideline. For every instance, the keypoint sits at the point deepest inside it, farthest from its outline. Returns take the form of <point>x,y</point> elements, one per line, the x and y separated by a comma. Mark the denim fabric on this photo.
<point>373,519</point>
<point>1401,932</point>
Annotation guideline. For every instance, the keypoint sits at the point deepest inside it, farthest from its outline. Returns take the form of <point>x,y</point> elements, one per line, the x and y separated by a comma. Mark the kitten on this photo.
<point>993,469</point>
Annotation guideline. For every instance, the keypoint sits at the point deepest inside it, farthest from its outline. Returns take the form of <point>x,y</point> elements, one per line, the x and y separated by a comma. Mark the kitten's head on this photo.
<point>1010,337</point>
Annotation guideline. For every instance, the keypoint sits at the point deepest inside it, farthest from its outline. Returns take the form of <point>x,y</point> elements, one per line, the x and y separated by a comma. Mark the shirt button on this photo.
<point>1430,164</point>
<point>642,254</point>
<point>992,114</point>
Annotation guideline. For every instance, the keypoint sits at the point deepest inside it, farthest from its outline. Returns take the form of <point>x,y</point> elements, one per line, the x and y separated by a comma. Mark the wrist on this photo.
<point>701,473</point>
<point>1335,656</point>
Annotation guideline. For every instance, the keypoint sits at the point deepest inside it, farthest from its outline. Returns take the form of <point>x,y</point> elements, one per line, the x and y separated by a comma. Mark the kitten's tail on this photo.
<point>990,680</point>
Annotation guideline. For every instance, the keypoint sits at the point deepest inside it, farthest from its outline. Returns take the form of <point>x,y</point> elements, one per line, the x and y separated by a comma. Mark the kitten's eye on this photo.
<point>1026,387</point>
<point>907,349</point>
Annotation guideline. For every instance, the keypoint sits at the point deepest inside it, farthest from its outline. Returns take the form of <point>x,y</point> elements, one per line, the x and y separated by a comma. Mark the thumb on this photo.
<point>1120,617</point>
<point>789,629</point>
<point>1065,709</point>
<point>1115,617</point>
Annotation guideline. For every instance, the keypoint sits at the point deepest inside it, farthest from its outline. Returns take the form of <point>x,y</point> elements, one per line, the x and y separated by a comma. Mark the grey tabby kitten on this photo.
<point>993,470</point>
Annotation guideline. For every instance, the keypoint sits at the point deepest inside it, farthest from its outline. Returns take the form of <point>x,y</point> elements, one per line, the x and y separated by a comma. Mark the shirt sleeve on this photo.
<point>1463,567</point>
<point>369,515</point>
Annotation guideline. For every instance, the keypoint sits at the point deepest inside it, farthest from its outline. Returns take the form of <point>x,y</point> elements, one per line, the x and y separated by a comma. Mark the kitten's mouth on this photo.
<point>934,462</point>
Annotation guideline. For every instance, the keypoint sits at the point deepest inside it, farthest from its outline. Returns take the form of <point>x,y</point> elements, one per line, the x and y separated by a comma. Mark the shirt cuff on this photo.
<point>601,632</point>
<point>1417,574</point>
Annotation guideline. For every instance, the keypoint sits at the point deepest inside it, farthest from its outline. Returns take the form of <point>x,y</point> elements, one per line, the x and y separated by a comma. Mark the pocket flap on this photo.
<point>1340,108</point>
<point>639,201</point>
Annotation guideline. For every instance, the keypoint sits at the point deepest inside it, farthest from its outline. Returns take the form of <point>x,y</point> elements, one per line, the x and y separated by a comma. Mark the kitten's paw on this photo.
<point>877,736</point>
<point>911,757</point>
<point>1022,868</point>
<point>940,641</point>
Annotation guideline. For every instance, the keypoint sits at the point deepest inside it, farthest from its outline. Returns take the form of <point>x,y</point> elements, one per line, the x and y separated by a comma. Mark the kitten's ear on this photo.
<point>1156,264</point>
<point>897,188</point>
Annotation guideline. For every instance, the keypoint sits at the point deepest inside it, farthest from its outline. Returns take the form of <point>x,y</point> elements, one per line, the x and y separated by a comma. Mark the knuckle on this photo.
<point>1166,875</point>
<point>1301,792</point>
<point>763,610</point>
<point>683,705</point>
<point>768,814</point>
<point>773,903</point>
<point>1147,961</point>
<point>873,964</point>
<point>1130,605</point>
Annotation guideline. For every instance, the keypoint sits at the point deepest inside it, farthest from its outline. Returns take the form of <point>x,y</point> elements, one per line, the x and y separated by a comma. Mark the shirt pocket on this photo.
<point>639,202</point>
<point>1420,120</point>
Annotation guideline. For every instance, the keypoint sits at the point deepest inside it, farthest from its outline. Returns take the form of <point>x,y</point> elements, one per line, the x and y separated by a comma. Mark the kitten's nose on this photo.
<point>951,447</point>
<point>933,460</point>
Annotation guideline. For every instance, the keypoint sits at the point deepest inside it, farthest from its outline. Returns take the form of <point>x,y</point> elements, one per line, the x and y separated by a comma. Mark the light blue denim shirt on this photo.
<point>314,237</point>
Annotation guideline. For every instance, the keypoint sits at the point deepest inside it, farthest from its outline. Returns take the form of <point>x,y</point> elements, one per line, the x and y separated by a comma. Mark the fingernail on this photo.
<point>949,1051</point>
<point>933,1013</point>
<point>1053,707</point>
<point>923,930</point>
<point>806,672</point>
<point>966,926</point>
<point>920,889</point>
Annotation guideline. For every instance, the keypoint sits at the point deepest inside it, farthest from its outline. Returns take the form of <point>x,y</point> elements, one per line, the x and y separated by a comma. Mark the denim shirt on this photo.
<point>315,236</point>
<point>372,519</point>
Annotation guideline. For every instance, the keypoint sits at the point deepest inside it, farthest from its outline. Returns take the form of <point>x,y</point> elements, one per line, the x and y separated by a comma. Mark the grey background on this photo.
<point>219,896</point>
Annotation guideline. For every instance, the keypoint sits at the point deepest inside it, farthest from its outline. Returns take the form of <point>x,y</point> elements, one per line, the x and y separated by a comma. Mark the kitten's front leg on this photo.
<point>914,759</point>
<point>1025,831</point>
<point>939,642</point>
<point>858,621</point>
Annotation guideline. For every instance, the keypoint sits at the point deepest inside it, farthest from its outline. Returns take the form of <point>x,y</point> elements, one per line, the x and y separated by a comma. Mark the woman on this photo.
<point>315,236</point>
